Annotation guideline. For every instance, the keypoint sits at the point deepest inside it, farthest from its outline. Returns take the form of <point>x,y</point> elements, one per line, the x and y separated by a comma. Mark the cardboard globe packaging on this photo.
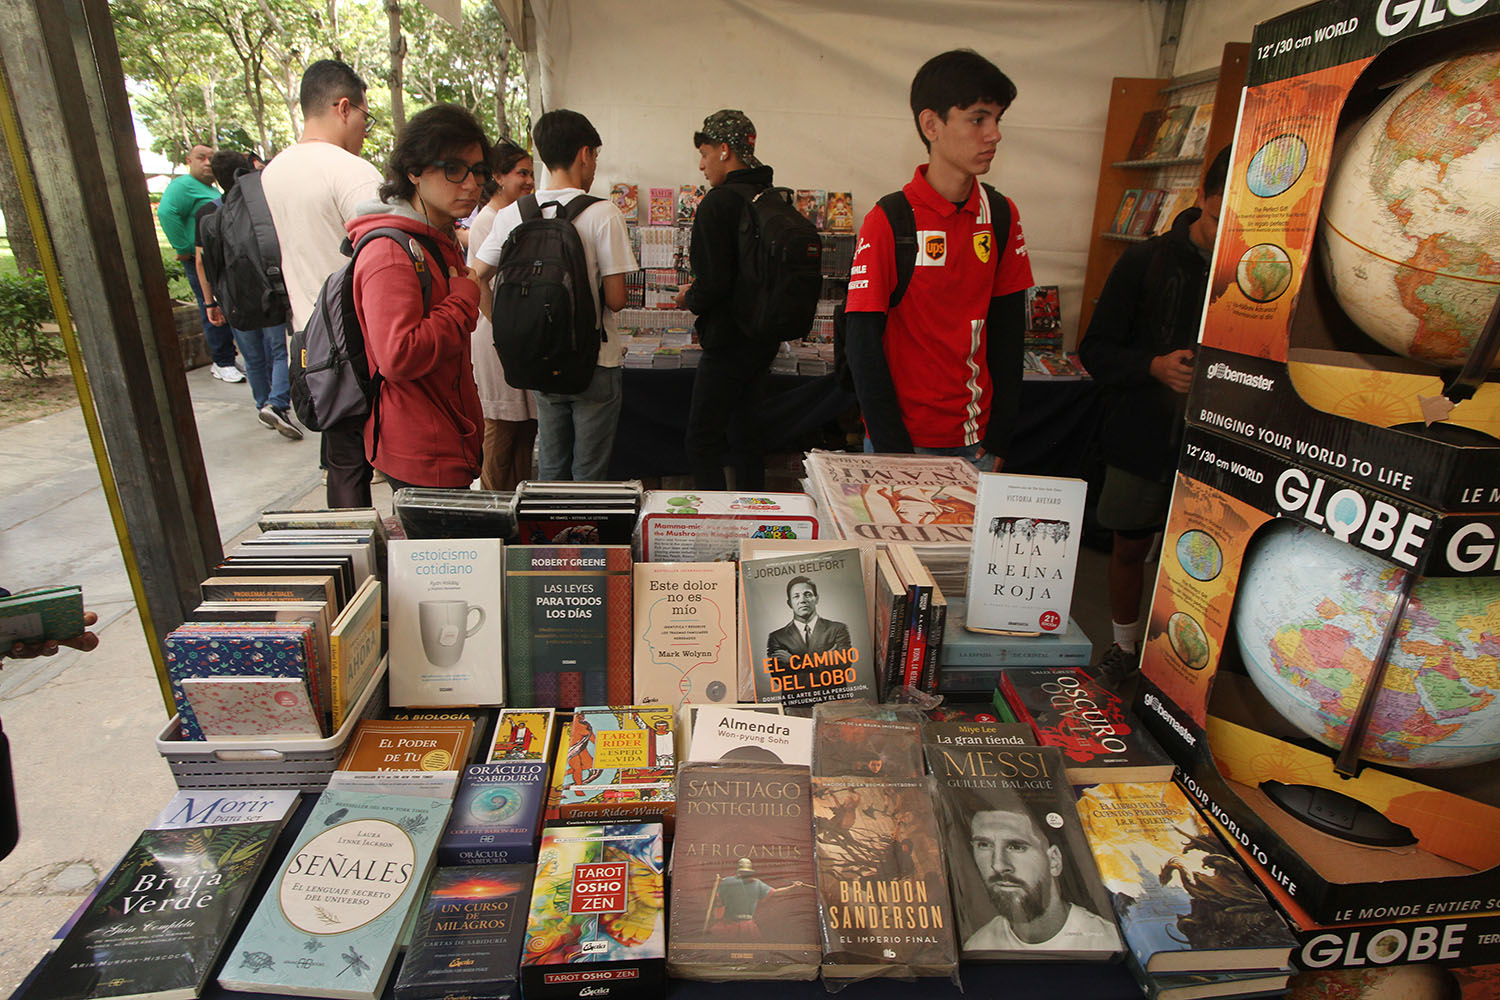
<point>1323,650</point>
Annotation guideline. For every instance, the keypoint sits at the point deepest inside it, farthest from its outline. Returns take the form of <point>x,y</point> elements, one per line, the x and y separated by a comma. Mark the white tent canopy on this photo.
<point>826,83</point>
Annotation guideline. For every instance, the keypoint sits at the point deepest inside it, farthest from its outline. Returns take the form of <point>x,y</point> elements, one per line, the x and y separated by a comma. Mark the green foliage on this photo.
<point>24,307</point>
<point>177,283</point>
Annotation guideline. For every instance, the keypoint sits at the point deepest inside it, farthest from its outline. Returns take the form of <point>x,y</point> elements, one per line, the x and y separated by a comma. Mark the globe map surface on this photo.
<point>1410,233</point>
<point>1308,620</point>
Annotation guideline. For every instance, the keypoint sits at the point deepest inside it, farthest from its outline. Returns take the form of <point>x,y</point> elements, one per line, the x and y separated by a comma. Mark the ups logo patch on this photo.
<point>934,244</point>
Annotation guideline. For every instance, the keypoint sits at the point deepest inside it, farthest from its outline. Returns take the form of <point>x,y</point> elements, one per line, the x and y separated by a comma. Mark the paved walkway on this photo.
<point>81,726</point>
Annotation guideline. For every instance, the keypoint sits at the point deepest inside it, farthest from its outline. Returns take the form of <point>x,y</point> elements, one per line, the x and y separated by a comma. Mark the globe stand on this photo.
<point>1335,813</point>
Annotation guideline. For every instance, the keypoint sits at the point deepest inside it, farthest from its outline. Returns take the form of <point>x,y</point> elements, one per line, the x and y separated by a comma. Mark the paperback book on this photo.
<point>625,197</point>
<point>807,634</point>
<point>355,649</point>
<point>496,815</point>
<point>522,734</point>
<point>1125,212</point>
<point>252,706</point>
<point>1100,739</point>
<point>1145,134</point>
<point>1195,138</point>
<point>621,765</point>
<point>569,639</point>
<point>272,588</point>
<point>743,906</point>
<point>840,212</point>
<point>1025,552</point>
<point>883,899</point>
<point>446,622</point>
<point>330,921</point>
<point>1182,899</point>
<point>158,922</point>
<point>597,917</point>
<point>483,720</point>
<point>468,935</point>
<point>389,745</point>
<point>660,210</point>
<point>1024,883</point>
<point>734,734</point>
<point>685,633</point>
<point>859,739</point>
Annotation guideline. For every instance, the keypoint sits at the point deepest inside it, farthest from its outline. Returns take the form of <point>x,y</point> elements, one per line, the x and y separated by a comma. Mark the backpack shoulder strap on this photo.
<point>528,207</point>
<point>573,209</point>
<point>248,184</point>
<point>402,239</point>
<point>999,217</point>
<point>903,220</point>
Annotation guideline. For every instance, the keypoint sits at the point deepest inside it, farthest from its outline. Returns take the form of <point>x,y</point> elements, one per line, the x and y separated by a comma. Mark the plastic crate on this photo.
<point>265,762</point>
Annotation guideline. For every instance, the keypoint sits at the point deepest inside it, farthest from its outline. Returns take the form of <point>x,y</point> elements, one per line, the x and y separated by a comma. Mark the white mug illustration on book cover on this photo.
<point>446,622</point>
<point>445,629</point>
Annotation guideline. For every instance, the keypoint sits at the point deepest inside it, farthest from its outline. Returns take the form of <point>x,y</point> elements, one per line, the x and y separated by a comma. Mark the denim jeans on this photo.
<point>220,339</point>
<point>968,452</point>
<point>576,434</point>
<point>265,365</point>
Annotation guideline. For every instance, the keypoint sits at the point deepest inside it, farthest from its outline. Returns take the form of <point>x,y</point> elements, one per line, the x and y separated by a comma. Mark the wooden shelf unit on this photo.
<point>1130,98</point>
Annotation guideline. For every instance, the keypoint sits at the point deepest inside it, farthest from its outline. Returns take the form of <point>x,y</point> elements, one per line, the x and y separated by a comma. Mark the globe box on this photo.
<point>1332,455</point>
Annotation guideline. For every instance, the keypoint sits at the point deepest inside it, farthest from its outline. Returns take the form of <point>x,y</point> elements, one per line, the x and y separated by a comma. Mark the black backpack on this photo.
<point>781,267</point>
<point>242,257</point>
<point>547,332</point>
<point>329,367</point>
<point>903,220</point>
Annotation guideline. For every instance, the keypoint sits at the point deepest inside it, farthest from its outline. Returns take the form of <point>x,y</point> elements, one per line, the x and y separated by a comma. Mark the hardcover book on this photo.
<point>496,814</point>
<point>1025,552</point>
<point>807,634</point>
<point>354,643</point>
<point>468,935</point>
<point>625,198</point>
<point>743,907</point>
<point>685,633</point>
<point>446,622</point>
<point>523,734</point>
<point>252,706</point>
<point>1024,884</point>
<point>883,900</point>
<point>621,765</point>
<point>1100,739</point>
<point>329,922</point>
<point>387,745</point>
<point>1182,899</point>
<point>219,650</point>
<point>158,922</point>
<point>341,568</point>
<point>597,917</point>
<point>569,636</point>
<point>41,614</point>
<point>321,587</point>
<point>734,734</point>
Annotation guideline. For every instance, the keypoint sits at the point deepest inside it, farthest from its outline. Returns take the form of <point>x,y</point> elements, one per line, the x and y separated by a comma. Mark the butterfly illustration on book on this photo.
<point>643,900</point>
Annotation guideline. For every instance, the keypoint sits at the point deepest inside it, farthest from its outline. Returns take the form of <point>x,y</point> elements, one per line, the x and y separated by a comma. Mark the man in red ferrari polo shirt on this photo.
<point>940,372</point>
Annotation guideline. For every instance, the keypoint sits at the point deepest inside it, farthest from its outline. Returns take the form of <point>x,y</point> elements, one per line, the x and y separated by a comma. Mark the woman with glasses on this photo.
<point>509,413</point>
<point>425,420</point>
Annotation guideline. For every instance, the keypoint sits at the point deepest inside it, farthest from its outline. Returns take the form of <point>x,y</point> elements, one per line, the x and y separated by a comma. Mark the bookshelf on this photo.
<point>1130,98</point>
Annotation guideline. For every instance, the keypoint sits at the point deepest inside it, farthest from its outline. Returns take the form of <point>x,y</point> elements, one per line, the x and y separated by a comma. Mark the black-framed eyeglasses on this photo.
<point>369,115</point>
<point>454,171</point>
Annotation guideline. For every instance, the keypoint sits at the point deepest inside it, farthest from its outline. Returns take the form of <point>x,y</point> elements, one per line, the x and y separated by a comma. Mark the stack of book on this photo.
<point>1177,132</point>
<point>426,512</point>
<point>911,620</point>
<point>927,501</point>
<point>573,513</point>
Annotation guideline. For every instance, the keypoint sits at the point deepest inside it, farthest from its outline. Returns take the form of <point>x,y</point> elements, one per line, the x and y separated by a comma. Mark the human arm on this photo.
<point>614,292</point>
<point>403,343</point>
<point>1005,336</point>
<point>215,314</point>
<point>174,212</point>
<point>714,251</point>
<point>872,278</point>
<point>613,252</point>
<point>83,641</point>
<point>1112,350</point>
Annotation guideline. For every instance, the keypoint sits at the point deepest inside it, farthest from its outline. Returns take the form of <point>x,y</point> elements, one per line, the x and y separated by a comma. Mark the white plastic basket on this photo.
<point>265,762</point>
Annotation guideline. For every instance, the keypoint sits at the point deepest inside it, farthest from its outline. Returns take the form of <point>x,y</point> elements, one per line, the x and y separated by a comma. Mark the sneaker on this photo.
<point>1117,666</point>
<point>226,373</point>
<point>281,420</point>
<point>379,477</point>
<point>267,417</point>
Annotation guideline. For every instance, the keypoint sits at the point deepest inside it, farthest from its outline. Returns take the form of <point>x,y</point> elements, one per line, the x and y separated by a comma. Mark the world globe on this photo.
<point>1308,621</point>
<point>1410,234</point>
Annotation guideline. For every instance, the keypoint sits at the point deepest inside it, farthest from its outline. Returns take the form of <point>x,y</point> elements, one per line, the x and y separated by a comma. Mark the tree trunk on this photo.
<point>398,56</point>
<point>502,77</point>
<point>17,225</point>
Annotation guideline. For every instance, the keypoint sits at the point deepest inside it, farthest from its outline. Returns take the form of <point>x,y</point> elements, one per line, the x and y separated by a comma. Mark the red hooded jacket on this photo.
<point>431,424</point>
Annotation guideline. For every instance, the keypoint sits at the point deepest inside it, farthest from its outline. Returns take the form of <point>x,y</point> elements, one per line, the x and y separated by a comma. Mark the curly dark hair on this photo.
<point>430,135</point>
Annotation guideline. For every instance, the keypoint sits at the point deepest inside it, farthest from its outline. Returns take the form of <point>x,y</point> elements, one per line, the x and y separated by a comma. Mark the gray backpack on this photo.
<point>331,376</point>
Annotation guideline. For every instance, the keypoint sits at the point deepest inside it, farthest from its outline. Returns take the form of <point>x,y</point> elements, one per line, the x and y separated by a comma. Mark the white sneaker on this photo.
<point>226,373</point>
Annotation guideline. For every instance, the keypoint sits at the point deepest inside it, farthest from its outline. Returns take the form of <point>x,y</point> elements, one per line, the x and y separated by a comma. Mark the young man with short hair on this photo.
<point>940,373</point>
<point>732,370</point>
<point>1139,349</point>
<point>178,213</point>
<point>313,189</point>
<point>576,432</point>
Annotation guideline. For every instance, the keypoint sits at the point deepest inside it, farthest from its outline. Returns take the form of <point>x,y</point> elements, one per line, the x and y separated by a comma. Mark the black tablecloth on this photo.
<point>1055,428</point>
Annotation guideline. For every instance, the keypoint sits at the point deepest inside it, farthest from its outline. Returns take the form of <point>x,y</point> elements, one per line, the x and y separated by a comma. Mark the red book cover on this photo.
<point>1100,739</point>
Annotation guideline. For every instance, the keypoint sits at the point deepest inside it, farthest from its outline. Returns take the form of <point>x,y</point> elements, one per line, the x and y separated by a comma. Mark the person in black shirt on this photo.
<point>731,373</point>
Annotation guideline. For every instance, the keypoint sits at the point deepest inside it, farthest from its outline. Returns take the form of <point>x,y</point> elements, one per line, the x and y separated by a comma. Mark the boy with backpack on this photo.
<point>738,218</point>
<point>937,364</point>
<point>569,353</point>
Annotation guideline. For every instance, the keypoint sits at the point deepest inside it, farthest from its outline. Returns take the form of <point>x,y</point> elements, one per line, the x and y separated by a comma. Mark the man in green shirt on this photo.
<point>178,213</point>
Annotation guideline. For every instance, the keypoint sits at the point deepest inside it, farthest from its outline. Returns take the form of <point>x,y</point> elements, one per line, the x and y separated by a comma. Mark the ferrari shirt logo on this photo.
<point>982,246</point>
<point>934,244</point>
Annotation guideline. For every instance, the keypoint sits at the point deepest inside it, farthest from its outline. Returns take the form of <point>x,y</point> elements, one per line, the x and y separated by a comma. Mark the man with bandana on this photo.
<point>731,374</point>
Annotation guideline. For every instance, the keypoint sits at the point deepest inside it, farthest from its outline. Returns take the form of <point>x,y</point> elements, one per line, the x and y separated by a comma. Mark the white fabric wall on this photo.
<point>826,83</point>
<point>1208,24</point>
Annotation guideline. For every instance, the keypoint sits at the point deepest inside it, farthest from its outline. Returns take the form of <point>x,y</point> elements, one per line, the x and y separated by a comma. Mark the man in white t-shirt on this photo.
<point>313,188</point>
<point>576,433</point>
<point>1022,872</point>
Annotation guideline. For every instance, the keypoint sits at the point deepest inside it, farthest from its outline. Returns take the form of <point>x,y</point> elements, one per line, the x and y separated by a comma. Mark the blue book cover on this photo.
<point>331,919</point>
<point>468,935</point>
<point>232,650</point>
<point>496,814</point>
